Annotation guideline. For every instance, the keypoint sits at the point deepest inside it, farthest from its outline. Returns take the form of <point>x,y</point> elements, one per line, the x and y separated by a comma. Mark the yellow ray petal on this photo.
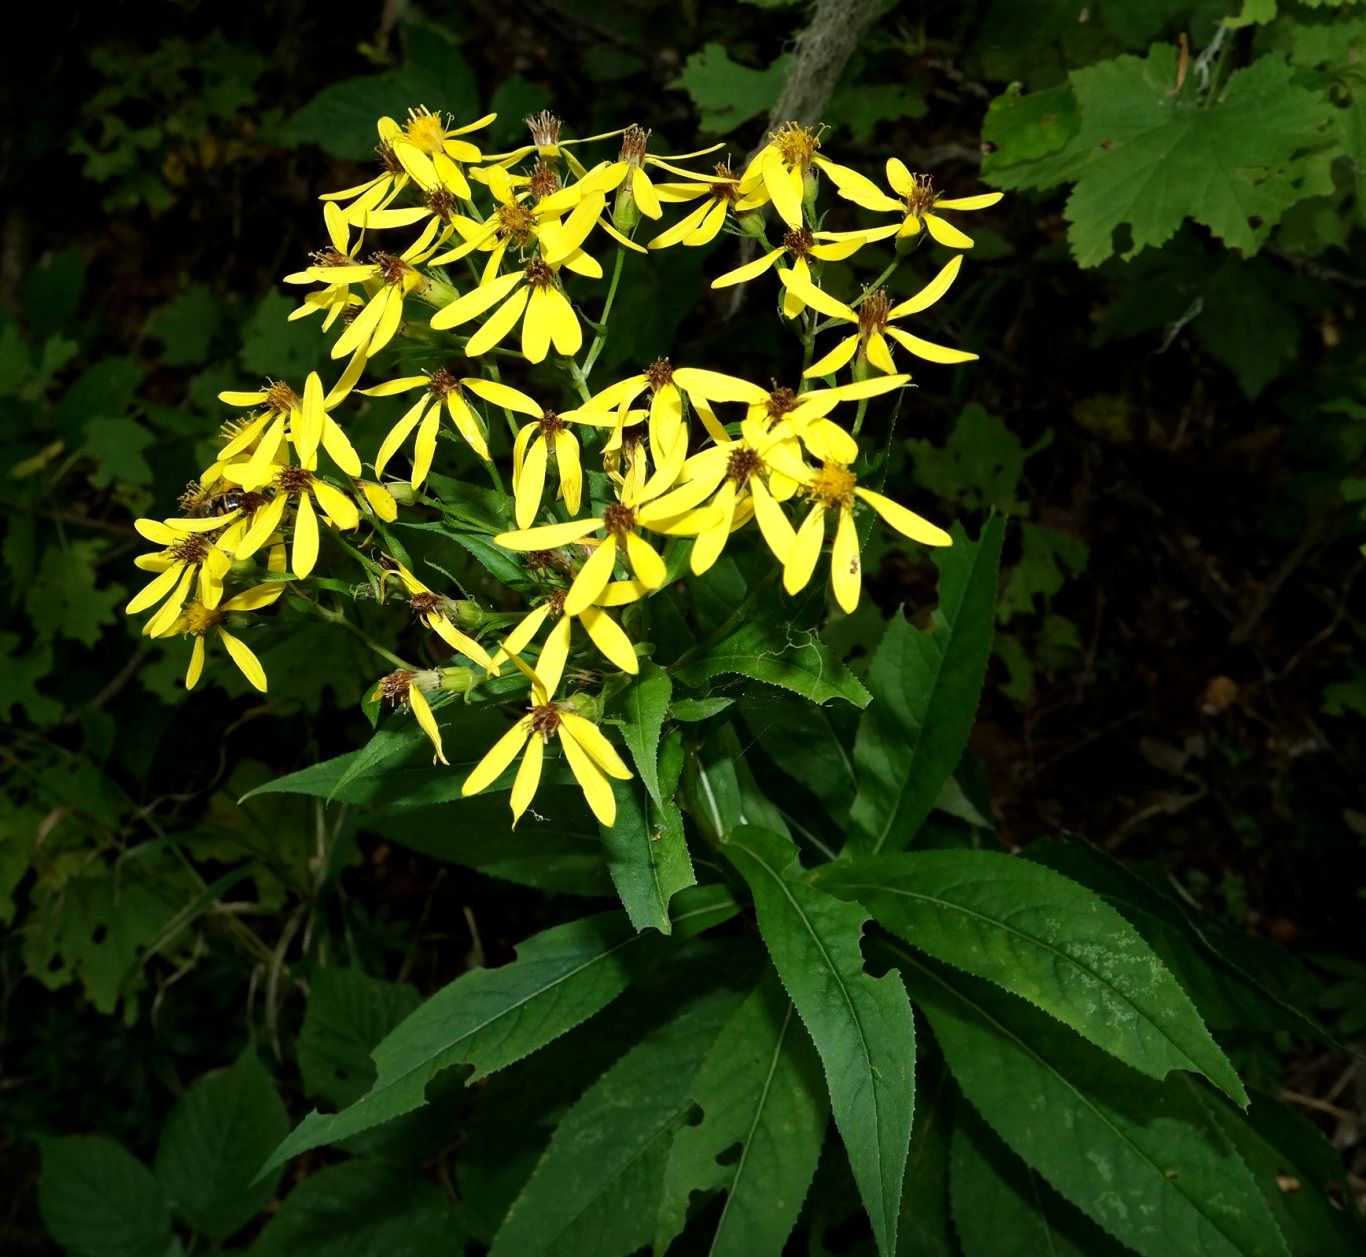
<point>340,509</point>
<point>846,572</point>
<point>932,291</point>
<point>804,551</point>
<point>528,777</point>
<point>834,360</point>
<point>797,282</point>
<point>245,659</point>
<point>399,433</point>
<point>304,553</point>
<point>498,324</point>
<point>422,712</point>
<point>592,577</point>
<point>548,536</point>
<point>196,668</point>
<point>554,654</point>
<point>946,233</point>
<point>645,561</point>
<point>610,638</point>
<point>499,756</point>
<point>503,395</point>
<point>530,483</point>
<point>743,274</point>
<point>597,790</point>
<point>476,301</point>
<point>906,522</point>
<point>592,740</point>
<point>565,332</point>
<point>928,350</point>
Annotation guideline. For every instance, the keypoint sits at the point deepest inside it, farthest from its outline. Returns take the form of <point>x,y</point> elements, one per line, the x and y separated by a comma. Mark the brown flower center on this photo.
<point>294,479</point>
<point>872,314</point>
<point>425,604</point>
<point>544,128</point>
<point>538,274</point>
<point>633,142</point>
<point>659,373</point>
<point>728,189</point>
<point>618,519</point>
<point>742,464</point>
<point>515,223</point>
<point>545,719</point>
<point>799,242</point>
<point>441,382</point>
<point>441,201</point>
<point>922,196</point>
<point>833,485</point>
<point>544,181</point>
<point>393,689</point>
<point>550,423</point>
<point>539,560</point>
<point>191,550</point>
<point>796,143</point>
<point>388,158</point>
<point>329,257</point>
<point>281,398</point>
<point>555,602</point>
<point>781,401</point>
<point>392,268</point>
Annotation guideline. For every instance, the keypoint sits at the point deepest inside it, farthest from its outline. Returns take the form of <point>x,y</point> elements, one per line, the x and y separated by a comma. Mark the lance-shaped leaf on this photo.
<point>647,856</point>
<point>1045,938</point>
<point>1140,1157</point>
<point>596,1191</point>
<point>925,689</point>
<point>644,707</point>
<point>489,1018</point>
<point>764,1108</point>
<point>861,1026</point>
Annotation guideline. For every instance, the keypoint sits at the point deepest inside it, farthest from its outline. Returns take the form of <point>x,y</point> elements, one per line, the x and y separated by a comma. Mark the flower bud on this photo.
<point>457,680</point>
<point>466,614</point>
<point>751,223</point>
<point>583,704</point>
<point>625,211</point>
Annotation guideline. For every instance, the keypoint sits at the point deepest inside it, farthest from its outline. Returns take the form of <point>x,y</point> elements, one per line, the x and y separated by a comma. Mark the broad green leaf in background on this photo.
<point>926,688</point>
<point>926,1228</point>
<point>596,1191</point>
<point>647,856</point>
<point>364,1209</point>
<point>348,1013</point>
<point>98,1200</point>
<point>777,654</point>
<point>808,744</point>
<point>764,1109</point>
<point>726,93</point>
<point>861,1026</point>
<point>1140,1157</point>
<point>1001,1208</point>
<point>489,1018</point>
<point>1046,939</point>
<point>62,598</point>
<point>1149,153</point>
<point>214,1142</point>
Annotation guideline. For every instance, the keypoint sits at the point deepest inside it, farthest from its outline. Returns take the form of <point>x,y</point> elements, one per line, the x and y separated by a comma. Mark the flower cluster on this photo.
<point>480,263</point>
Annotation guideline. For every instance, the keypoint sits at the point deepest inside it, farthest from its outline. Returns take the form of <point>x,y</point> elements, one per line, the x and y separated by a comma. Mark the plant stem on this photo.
<point>600,338</point>
<point>337,617</point>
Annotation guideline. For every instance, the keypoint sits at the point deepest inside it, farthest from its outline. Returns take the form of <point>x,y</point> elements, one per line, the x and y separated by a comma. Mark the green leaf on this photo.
<point>186,325</point>
<point>1138,1156</point>
<point>647,857</point>
<point>862,1026</point>
<point>644,707</point>
<point>98,1200</point>
<point>777,654</point>
<point>1002,1208</point>
<point>214,1142</point>
<point>694,710</point>
<point>62,598</point>
<point>116,445</point>
<point>764,1114</point>
<point>926,1228</point>
<point>1024,128</point>
<point>1048,559</point>
<point>361,1209</point>
<point>1046,939</point>
<point>1148,154</point>
<point>557,848</point>
<point>489,1018</point>
<point>348,1013</point>
<point>726,93</point>
<point>926,687</point>
<point>596,1190</point>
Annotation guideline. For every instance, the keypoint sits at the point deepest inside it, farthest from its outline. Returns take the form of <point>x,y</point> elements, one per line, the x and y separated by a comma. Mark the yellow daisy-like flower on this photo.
<point>429,148</point>
<point>806,414</point>
<point>651,507</point>
<point>188,558</point>
<point>431,608</point>
<point>405,686</point>
<point>590,755</point>
<point>703,224</point>
<point>443,389</point>
<point>533,291</point>
<point>917,202</point>
<point>799,245</point>
<point>628,174</point>
<point>383,188</point>
<point>874,318</point>
<point>779,171</point>
<point>833,487</point>
<point>328,266</point>
<point>202,623</point>
<point>301,485</point>
<point>603,631</point>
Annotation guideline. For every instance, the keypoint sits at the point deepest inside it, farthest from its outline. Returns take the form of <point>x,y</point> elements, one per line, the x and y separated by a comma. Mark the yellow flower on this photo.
<point>917,202</point>
<point>405,685</point>
<point>429,148</point>
<point>780,169</point>
<point>201,622</point>
<point>305,488</point>
<point>188,557</point>
<point>431,609</point>
<point>425,415</point>
<point>628,174</point>
<point>704,223</point>
<point>384,187</point>
<point>591,757</point>
<point>650,507</point>
<point>326,267</point>
<point>873,318</point>
<point>533,290</point>
<point>799,244</point>
<point>833,487</point>
<point>603,631</point>
<point>805,413</point>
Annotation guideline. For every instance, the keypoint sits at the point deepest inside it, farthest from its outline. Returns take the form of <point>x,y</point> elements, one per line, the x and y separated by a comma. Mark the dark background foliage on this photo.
<point>1178,439</point>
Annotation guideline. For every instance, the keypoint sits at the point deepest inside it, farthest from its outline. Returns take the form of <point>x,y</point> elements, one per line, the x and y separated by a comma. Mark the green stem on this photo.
<point>337,617</point>
<point>878,282</point>
<point>600,338</point>
<point>858,416</point>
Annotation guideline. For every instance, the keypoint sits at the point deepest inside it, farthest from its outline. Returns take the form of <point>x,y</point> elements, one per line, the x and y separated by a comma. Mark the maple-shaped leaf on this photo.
<point>1148,155</point>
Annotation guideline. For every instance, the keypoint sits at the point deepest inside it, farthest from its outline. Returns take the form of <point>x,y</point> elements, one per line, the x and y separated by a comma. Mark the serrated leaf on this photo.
<point>861,1026</point>
<point>727,93</point>
<point>1001,1208</point>
<point>595,1192</point>
<point>1150,153</point>
<point>647,857</point>
<point>62,598</point>
<point>361,1209</point>
<point>926,688</point>
<point>1137,1156</point>
<point>764,1109</point>
<point>1046,939</point>
<point>777,654</point>
<point>693,710</point>
<point>348,1013</point>
<point>213,1143</point>
<point>489,1018</point>
<point>98,1200</point>
<point>644,707</point>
